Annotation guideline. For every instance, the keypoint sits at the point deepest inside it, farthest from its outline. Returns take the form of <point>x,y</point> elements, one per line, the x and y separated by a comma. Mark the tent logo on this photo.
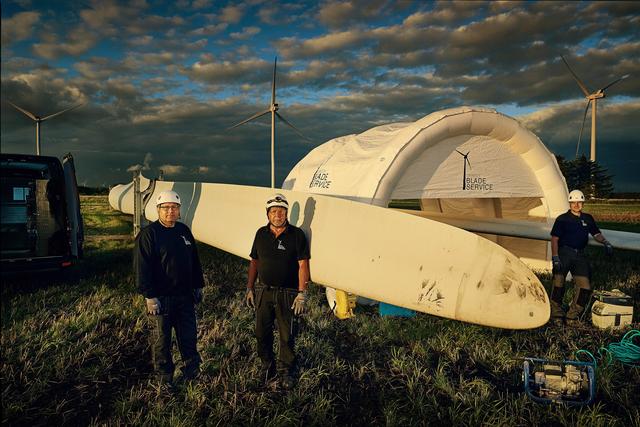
<point>320,179</point>
<point>472,183</point>
<point>465,161</point>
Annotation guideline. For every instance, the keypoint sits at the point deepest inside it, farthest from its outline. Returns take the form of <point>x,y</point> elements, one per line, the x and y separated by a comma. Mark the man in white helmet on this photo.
<point>169,275</point>
<point>280,259</point>
<point>569,237</point>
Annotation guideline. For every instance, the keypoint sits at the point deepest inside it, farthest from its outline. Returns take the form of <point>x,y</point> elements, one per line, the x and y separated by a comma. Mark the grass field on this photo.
<point>75,352</point>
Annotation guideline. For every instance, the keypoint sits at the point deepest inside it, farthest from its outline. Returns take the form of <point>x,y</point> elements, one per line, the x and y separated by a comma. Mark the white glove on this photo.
<point>298,304</point>
<point>153,306</point>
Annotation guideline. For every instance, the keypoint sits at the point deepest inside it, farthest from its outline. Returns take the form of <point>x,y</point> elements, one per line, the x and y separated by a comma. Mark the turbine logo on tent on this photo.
<point>465,161</point>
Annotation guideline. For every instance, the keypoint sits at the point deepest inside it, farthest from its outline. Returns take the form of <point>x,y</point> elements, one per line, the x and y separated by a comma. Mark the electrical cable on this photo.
<point>625,351</point>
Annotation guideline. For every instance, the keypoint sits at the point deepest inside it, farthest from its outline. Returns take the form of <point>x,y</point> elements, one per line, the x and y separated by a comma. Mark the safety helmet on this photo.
<point>576,196</point>
<point>277,200</point>
<point>168,197</point>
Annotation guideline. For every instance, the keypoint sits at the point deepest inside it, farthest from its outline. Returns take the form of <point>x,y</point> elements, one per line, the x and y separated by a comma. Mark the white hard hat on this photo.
<point>168,197</point>
<point>277,200</point>
<point>576,196</point>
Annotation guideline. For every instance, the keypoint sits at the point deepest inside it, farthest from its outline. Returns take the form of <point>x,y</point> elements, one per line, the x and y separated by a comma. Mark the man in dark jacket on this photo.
<point>280,257</point>
<point>569,237</point>
<point>169,275</point>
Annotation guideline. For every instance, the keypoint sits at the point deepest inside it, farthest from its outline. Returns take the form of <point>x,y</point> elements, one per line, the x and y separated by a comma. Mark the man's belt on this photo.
<point>577,251</point>
<point>275,288</point>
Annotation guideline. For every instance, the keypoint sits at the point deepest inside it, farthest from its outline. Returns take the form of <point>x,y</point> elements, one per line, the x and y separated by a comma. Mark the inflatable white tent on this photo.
<point>469,163</point>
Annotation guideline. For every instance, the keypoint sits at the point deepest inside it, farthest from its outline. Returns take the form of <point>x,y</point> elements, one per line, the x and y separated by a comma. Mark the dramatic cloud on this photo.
<point>169,170</point>
<point>231,14</point>
<point>18,27</point>
<point>246,33</point>
<point>168,80</point>
<point>78,42</point>
<point>145,166</point>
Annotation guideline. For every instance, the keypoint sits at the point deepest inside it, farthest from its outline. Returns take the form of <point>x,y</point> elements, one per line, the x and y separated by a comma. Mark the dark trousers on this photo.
<point>177,313</point>
<point>274,304</point>
<point>576,262</point>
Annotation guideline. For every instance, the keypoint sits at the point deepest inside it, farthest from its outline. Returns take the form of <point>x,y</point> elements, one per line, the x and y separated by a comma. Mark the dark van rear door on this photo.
<point>76,228</point>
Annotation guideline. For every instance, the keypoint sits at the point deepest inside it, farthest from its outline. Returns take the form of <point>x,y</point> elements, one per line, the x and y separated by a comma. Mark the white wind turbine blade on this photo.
<point>292,126</point>
<point>614,82</point>
<point>273,82</point>
<point>25,112</point>
<point>60,112</point>
<point>584,118</point>
<point>255,116</point>
<point>576,78</point>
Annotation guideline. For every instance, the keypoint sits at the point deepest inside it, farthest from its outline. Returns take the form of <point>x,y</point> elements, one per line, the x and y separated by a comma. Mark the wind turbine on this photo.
<point>39,120</point>
<point>591,97</point>
<point>464,173</point>
<point>273,109</point>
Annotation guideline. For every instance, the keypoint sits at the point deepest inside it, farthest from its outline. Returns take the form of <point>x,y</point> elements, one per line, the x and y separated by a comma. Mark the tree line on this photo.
<point>590,177</point>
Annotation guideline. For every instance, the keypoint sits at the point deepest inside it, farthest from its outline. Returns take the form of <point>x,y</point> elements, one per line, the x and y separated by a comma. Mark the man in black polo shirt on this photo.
<point>569,237</point>
<point>280,258</point>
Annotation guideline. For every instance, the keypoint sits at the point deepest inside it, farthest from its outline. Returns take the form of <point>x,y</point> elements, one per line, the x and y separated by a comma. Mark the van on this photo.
<point>40,222</point>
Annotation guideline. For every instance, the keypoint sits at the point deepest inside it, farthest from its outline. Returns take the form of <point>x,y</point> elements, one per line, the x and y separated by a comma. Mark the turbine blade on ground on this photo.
<point>60,112</point>
<point>584,118</point>
<point>292,126</point>
<point>614,82</point>
<point>255,116</point>
<point>577,79</point>
<point>25,112</point>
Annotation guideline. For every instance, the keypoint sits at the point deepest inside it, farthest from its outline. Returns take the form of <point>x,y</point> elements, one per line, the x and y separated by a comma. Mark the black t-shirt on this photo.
<point>166,261</point>
<point>278,257</point>
<point>573,231</point>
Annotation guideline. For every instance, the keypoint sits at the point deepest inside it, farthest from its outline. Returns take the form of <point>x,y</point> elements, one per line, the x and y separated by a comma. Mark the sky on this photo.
<point>162,82</point>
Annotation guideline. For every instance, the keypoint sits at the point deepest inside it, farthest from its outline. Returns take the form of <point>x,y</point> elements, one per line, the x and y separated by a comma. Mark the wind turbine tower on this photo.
<point>39,120</point>
<point>591,98</point>
<point>273,109</point>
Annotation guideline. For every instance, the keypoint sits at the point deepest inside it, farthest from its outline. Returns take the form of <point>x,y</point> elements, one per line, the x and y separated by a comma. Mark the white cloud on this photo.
<point>18,27</point>
<point>231,14</point>
<point>245,34</point>
<point>145,166</point>
<point>172,169</point>
<point>78,42</point>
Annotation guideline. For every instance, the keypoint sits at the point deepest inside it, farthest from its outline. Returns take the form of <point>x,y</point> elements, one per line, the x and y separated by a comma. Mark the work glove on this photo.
<point>153,306</point>
<point>608,248</point>
<point>197,295</point>
<point>298,304</point>
<point>250,299</point>
<point>557,265</point>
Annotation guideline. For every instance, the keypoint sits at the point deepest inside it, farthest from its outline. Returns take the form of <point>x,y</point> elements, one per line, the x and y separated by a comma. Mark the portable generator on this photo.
<point>568,382</point>
<point>611,309</point>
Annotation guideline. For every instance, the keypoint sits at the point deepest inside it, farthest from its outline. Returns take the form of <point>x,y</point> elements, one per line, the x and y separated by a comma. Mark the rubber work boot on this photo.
<point>267,372</point>
<point>557,313</point>
<point>164,379</point>
<point>579,303</point>
<point>286,380</point>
